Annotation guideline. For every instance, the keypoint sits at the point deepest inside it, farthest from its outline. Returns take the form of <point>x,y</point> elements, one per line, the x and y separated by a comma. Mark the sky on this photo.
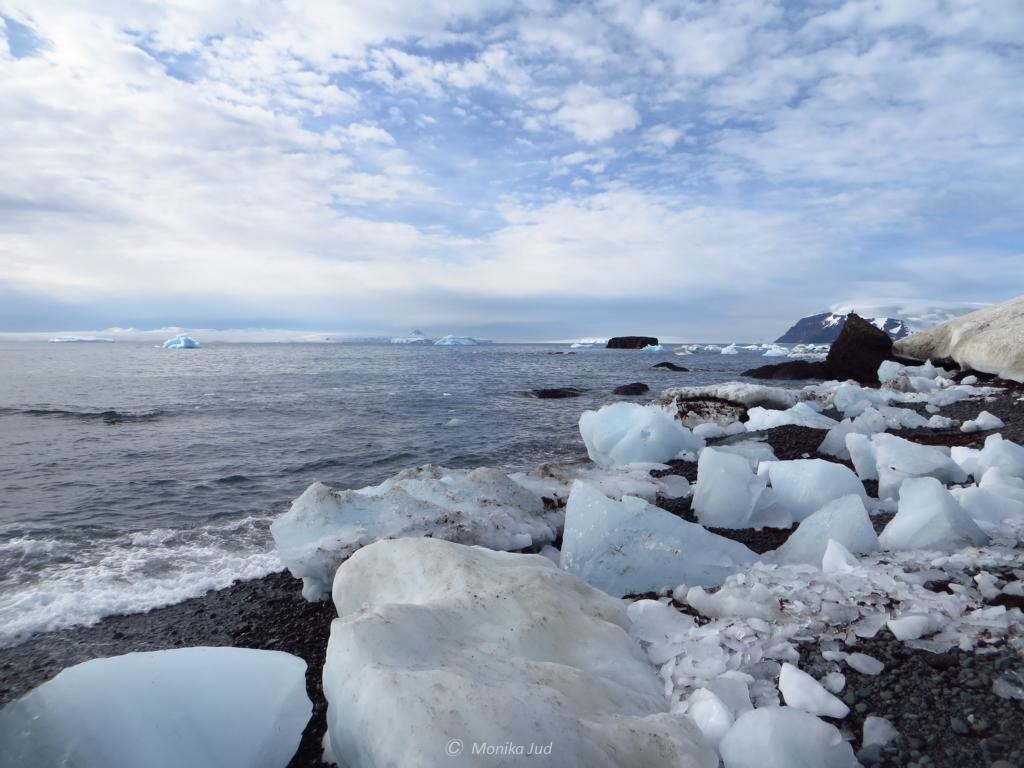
<point>528,170</point>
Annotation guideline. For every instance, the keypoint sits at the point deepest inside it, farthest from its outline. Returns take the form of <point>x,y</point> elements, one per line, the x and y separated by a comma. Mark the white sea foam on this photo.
<point>52,583</point>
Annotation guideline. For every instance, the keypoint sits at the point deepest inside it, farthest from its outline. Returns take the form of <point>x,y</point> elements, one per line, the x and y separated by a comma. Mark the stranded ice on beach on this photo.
<point>459,623</point>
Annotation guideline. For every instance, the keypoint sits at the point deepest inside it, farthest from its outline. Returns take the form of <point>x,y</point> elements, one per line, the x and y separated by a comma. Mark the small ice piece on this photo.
<point>834,682</point>
<point>181,341</point>
<point>632,547</point>
<point>727,490</point>
<point>733,688</point>
<point>868,422</point>
<point>878,730</point>
<point>653,348</point>
<point>803,486</point>
<point>970,381</point>
<point>658,628</point>
<point>983,423</point>
<point>710,714</point>
<point>837,558</point>
<point>626,433</point>
<point>1009,685</point>
<point>889,370</point>
<point>801,415</point>
<point>910,626</point>
<point>773,351</point>
<point>897,459</point>
<point>866,665</point>
<point>674,486</point>
<point>230,707</point>
<point>784,737</point>
<point>755,602</point>
<point>802,691</point>
<point>863,453</point>
<point>929,518</point>
<point>940,422</point>
<point>755,451</point>
<point>730,350</point>
<point>843,522</point>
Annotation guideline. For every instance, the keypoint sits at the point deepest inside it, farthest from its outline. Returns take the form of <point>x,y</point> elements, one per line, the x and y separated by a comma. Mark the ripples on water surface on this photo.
<point>132,477</point>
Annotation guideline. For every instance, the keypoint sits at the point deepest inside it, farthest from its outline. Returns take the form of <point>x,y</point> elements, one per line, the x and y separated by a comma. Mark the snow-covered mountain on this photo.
<point>825,328</point>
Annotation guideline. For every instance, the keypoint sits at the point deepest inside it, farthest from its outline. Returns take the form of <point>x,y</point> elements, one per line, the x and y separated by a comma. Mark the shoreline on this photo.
<point>270,613</point>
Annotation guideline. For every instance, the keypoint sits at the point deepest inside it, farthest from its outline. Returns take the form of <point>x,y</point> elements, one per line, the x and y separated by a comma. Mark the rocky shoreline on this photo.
<point>943,706</point>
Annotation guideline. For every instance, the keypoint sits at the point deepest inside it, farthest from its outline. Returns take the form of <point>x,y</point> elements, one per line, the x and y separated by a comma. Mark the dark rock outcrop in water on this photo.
<point>631,342</point>
<point>826,327</point>
<point>556,393</point>
<point>671,367</point>
<point>794,369</point>
<point>856,354</point>
<point>636,388</point>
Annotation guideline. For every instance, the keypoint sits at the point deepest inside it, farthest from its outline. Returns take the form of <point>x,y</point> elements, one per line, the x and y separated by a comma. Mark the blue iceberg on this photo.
<point>181,341</point>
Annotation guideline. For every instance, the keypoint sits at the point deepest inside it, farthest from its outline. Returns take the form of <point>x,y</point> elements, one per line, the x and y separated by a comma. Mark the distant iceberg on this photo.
<point>653,348</point>
<point>80,340</point>
<point>412,340</point>
<point>181,341</point>
<point>455,341</point>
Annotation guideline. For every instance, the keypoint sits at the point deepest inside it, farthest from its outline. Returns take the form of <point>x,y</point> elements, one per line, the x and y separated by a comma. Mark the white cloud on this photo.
<point>593,117</point>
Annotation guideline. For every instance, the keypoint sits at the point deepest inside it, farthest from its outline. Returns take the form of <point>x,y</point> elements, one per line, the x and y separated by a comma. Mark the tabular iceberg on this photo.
<point>196,707</point>
<point>443,650</point>
<point>455,341</point>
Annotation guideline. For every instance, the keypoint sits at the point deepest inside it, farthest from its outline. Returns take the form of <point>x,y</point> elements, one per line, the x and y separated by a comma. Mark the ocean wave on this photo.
<point>107,417</point>
<point>53,584</point>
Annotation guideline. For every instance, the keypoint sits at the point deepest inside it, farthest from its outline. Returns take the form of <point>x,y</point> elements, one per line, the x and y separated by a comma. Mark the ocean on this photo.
<point>133,477</point>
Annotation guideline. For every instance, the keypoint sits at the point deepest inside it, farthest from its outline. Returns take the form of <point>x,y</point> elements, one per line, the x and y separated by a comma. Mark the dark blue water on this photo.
<point>132,476</point>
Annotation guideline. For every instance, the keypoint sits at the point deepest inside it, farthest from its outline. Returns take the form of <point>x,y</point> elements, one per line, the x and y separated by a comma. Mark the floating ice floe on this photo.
<point>81,340</point>
<point>653,348</point>
<point>455,341</point>
<point>775,351</point>
<point>625,433</point>
<point>200,707</point>
<point>632,547</point>
<point>481,506</point>
<point>732,349</point>
<point>181,341</point>
<point>483,649</point>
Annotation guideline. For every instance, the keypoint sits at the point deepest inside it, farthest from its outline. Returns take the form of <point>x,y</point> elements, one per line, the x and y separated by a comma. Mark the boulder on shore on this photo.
<point>990,340</point>
<point>856,354</point>
<point>632,342</point>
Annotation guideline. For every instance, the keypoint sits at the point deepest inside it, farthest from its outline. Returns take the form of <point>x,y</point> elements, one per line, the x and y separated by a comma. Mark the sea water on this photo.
<point>133,477</point>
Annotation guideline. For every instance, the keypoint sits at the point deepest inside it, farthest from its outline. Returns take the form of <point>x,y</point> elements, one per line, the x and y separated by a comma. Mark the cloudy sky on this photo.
<point>527,170</point>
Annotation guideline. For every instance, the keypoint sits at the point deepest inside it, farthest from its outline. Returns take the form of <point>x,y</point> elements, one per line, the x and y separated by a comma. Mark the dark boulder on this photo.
<point>631,342</point>
<point>856,354</point>
<point>671,367</point>
<point>792,369</point>
<point>556,393</point>
<point>636,388</point>
<point>858,351</point>
<point>697,410</point>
